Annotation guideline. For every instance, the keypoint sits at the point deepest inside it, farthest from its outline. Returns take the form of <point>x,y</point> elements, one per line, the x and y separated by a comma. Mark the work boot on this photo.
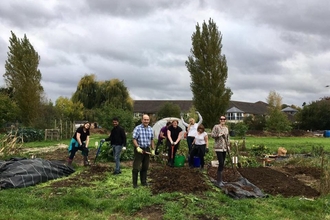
<point>135,177</point>
<point>143,178</point>
<point>170,163</point>
<point>220,183</point>
<point>86,162</point>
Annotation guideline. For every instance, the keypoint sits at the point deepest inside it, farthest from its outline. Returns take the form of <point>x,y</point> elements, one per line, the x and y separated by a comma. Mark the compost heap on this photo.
<point>22,172</point>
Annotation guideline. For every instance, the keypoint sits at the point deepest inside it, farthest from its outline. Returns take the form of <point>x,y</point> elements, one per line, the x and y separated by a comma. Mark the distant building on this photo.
<point>236,112</point>
<point>290,112</point>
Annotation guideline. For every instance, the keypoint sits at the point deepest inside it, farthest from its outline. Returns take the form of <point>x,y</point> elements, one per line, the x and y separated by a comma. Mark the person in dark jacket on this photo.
<point>117,140</point>
<point>174,134</point>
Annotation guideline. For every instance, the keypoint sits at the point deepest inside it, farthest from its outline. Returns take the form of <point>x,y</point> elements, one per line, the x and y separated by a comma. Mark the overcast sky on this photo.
<point>281,46</point>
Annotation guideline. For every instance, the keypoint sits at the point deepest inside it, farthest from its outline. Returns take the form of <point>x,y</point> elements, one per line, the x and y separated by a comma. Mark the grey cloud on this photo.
<point>269,45</point>
<point>307,16</point>
<point>131,8</point>
<point>24,14</point>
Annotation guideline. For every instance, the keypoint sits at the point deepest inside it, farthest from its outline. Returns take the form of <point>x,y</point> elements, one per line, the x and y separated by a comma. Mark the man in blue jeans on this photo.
<point>117,140</point>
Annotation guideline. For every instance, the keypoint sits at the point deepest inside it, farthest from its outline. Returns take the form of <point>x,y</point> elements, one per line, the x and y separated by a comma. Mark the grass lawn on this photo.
<point>113,197</point>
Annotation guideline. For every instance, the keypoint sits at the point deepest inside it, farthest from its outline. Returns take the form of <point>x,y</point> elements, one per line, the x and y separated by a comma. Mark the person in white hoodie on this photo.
<point>192,129</point>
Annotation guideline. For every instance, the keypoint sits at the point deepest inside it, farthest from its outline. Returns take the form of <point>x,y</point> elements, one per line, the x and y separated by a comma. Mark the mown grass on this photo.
<point>114,198</point>
<point>294,145</point>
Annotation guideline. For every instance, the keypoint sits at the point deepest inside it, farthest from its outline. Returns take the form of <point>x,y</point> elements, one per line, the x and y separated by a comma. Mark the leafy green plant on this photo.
<point>106,153</point>
<point>245,161</point>
<point>260,150</point>
<point>240,129</point>
<point>28,134</point>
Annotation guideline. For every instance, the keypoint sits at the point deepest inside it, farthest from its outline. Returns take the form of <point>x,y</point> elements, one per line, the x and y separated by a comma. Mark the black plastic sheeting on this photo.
<point>241,189</point>
<point>23,172</point>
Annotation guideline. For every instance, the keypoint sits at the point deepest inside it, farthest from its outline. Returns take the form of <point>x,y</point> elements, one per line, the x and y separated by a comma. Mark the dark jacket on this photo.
<point>117,136</point>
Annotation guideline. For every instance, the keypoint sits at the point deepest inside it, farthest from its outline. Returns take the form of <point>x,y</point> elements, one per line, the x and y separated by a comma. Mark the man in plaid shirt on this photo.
<point>144,147</point>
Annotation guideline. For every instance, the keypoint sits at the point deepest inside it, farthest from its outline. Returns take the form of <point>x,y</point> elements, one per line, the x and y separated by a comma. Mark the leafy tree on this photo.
<point>7,91</point>
<point>86,91</point>
<point>94,94</point>
<point>69,110</point>
<point>8,109</point>
<point>208,72</point>
<point>241,129</point>
<point>276,121</point>
<point>116,93</point>
<point>191,114</point>
<point>257,122</point>
<point>106,113</point>
<point>315,115</point>
<point>47,115</point>
<point>168,110</point>
<point>23,77</point>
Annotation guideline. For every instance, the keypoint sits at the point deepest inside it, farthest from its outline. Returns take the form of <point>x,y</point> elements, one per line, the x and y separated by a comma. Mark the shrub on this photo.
<point>28,134</point>
<point>261,150</point>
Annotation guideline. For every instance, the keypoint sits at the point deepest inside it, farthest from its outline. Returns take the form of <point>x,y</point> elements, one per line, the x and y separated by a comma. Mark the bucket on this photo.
<point>326,133</point>
<point>197,162</point>
<point>179,160</point>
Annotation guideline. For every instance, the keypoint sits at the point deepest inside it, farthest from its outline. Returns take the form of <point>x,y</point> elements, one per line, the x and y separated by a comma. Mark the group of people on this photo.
<point>144,147</point>
<point>80,141</point>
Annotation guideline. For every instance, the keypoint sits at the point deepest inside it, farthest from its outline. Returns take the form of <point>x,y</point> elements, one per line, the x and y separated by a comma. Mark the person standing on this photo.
<point>200,146</point>
<point>221,146</point>
<point>174,133</point>
<point>162,135</point>
<point>192,129</point>
<point>80,141</point>
<point>144,147</point>
<point>117,140</point>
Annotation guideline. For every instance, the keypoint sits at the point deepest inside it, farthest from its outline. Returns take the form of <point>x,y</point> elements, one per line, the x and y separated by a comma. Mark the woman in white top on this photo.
<point>192,129</point>
<point>200,146</point>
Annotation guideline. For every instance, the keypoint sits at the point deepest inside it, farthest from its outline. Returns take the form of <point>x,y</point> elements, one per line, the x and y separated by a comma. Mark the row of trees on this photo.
<point>23,97</point>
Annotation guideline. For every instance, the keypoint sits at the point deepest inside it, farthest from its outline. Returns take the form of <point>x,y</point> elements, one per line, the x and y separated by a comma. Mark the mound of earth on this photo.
<point>285,181</point>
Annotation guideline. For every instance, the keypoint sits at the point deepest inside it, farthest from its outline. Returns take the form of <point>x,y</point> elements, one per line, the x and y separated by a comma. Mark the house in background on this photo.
<point>290,112</point>
<point>236,112</point>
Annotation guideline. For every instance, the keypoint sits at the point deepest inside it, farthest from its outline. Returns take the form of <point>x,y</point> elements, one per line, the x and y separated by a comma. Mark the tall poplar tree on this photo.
<point>23,77</point>
<point>208,72</point>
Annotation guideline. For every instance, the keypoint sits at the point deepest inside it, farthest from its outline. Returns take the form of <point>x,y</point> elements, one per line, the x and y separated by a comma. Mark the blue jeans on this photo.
<point>116,155</point>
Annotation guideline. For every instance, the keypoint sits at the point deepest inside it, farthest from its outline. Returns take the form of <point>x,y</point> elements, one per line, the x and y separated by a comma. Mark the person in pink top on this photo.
<point>200,146</point>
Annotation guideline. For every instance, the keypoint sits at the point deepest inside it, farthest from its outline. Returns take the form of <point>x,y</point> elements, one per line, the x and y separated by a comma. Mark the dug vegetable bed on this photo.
<point>285,181</point>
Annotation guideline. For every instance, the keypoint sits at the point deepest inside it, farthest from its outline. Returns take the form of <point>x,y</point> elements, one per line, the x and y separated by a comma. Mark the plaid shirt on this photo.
<point>143,135</point>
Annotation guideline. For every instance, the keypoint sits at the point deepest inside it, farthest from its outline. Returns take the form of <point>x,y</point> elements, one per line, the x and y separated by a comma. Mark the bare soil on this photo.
<point>286,181</point>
